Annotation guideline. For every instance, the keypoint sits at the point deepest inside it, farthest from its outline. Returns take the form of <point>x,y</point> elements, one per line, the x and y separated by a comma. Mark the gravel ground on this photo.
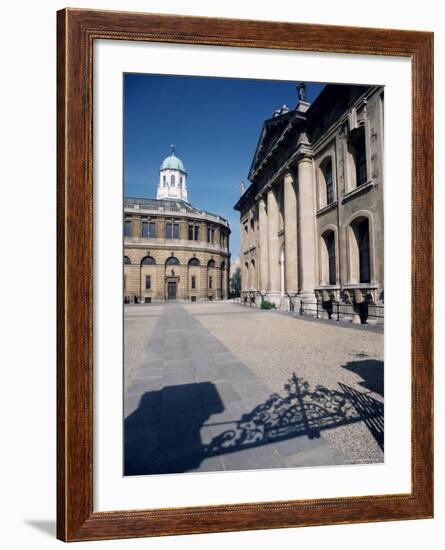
<point>139,322</point>
<point>274,346</point>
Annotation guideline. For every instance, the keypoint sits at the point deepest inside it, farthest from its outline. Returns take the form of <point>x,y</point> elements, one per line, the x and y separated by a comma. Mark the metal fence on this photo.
<point>337,311</point>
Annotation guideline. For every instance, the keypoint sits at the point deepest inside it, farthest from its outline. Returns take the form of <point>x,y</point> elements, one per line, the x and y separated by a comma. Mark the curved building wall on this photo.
<point>174,251</point>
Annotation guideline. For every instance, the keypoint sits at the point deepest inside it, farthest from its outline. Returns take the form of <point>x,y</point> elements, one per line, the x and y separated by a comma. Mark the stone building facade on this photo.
<point>172,250</point>
<point>312,217</point>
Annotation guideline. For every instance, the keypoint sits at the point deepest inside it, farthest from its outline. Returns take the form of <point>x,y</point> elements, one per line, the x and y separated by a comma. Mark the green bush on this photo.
<point>267,305</point>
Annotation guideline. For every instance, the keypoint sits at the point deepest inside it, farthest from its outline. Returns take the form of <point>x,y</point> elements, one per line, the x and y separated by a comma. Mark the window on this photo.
<point>196,232</point>
<point>193,282</point>
<point>329,183</point>
<point>359,248</point>
<point>127,228</point>
<point>181,180</point>
<point>153,230</point>
<point>190,232</point>
<point>172,231</point>
<point>329,240</point>
<point>144,231</point>
<point>252,224</point>
<point>147,282</point>
<point>127,260</point>
<point>194,262</point>
<point>172,180</point>
<point>363,249</point>
<point>211,263</point>
<point>210,282</point>
<point>357,154</point>
<point>164,180</point>
<point>148,260</point>
<point>172,261</point>
<point>209,235</point>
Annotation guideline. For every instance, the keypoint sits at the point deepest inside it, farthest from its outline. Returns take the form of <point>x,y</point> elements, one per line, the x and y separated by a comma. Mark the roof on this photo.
<point>171,205</point>
<point>173,162</point>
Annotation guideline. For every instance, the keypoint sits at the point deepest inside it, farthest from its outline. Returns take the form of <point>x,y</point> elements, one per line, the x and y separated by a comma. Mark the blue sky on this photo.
<point>215,125</point>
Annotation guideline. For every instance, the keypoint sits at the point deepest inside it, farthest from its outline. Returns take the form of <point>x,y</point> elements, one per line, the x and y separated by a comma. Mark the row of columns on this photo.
<point>299,235</point>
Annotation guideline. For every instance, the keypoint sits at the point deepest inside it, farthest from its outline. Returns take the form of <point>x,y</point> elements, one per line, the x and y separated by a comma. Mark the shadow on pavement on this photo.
<point>371,372</point>
<point>163,435</point>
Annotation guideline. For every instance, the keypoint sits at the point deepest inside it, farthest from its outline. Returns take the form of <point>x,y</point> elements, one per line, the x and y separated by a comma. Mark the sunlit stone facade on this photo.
<point>312,217</point>
<point>172,250</point>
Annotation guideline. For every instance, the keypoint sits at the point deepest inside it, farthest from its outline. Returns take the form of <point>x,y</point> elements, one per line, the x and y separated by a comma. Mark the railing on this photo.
<point>336,310</point>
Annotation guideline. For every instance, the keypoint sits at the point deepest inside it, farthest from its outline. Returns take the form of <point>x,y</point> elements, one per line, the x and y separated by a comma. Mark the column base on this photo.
<point>306,303</point>
<point>273,297</point>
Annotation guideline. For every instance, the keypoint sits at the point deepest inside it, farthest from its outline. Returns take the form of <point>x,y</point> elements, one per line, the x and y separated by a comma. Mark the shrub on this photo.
<point>267,305</point>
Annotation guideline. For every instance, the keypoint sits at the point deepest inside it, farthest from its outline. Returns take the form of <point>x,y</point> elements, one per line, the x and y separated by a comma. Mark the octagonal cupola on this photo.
<point>172,178</point>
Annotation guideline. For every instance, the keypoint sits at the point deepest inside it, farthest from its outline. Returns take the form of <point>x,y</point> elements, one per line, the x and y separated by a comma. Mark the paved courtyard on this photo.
<point>218,386</point>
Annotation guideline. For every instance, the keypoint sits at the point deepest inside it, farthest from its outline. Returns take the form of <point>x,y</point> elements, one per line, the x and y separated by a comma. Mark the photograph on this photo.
<point>253,274</point>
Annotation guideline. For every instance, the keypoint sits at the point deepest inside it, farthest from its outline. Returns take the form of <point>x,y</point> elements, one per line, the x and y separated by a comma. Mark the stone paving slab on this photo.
<point>187,393</point>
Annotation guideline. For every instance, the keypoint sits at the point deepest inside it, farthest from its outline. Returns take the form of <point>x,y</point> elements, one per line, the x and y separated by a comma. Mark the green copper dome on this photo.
<point>173,162</point>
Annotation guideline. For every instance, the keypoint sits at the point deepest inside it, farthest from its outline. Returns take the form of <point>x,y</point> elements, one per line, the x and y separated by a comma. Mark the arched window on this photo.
<point>172,180</point>
<point>148,260</point>
<point>357,151</point>
<point>172,261</point>
<point>127,260</point>
<point>360,251</point>
<point>181,180</point>
<point>329,263</point>
<point>211,263</point>
<point>194,262</point>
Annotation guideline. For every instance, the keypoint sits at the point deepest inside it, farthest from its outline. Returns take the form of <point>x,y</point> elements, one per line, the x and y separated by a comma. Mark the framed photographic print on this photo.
<point>244,275</point>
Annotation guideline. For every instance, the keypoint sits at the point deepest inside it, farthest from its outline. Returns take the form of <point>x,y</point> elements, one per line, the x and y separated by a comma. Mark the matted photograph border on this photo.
<point>77,30</point>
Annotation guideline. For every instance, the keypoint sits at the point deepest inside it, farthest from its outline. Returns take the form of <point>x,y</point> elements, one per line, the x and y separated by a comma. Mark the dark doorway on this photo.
<point>171,290</point>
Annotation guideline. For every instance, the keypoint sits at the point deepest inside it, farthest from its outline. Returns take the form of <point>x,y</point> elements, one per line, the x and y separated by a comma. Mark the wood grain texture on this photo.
<point>77,30</point>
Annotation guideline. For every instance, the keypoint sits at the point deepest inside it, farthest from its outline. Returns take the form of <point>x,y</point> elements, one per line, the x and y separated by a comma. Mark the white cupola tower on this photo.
<point>172,179</point>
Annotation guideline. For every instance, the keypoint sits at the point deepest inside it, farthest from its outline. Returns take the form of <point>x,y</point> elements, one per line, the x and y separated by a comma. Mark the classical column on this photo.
<point>263,283</point>
<point>290,234</point>
<point>306,196</point>
<point>273,244</point>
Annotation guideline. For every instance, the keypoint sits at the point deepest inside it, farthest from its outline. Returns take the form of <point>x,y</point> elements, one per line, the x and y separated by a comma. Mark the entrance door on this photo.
<point>171,290</point>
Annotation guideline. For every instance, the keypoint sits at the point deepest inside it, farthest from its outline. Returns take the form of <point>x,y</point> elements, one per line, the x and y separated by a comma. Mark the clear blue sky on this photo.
<point>215,125</point>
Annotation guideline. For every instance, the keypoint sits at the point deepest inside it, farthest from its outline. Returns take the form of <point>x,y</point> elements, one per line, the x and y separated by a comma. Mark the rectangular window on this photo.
<point>364,252</point>
<point>209,233</point>
<point>147,282</point>
<point>144,231</point>
<point>168,231</point>
<point>190,232</point>
<point>360,160</point>
<point>196,232</point>
<point>329,185</point>
<point>127,228</point>
<point>210,282</point>
<point>153,230</point>
<point>193,282</point>
<point>213,236</point>
<point>176,230</point>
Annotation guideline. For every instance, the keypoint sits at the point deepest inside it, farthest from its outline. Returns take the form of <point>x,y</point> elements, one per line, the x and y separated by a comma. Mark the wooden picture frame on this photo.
<point>77,31</point>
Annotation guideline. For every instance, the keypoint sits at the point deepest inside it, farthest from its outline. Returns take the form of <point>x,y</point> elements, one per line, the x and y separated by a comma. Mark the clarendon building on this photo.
<point>173,250</point>
<point>312,217</point>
